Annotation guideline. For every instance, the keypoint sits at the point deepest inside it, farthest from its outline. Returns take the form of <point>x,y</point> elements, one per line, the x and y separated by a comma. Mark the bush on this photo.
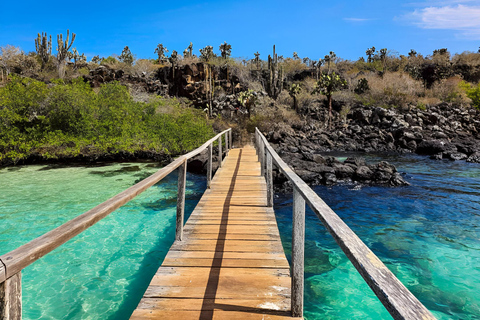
<point>473,92</point>
<point>68,120</point>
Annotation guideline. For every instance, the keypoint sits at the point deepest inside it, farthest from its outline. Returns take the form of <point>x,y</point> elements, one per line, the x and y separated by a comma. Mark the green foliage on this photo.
<point>206,54</point>
<point>362,86</point>
<point>225,49</point>
<point>69,120</point>
<point>473,92</point>
<point>327,84</point>
<point>126,56</point>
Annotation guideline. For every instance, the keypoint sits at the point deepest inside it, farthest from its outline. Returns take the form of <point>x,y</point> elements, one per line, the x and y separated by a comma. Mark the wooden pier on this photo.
<point>231,263</point>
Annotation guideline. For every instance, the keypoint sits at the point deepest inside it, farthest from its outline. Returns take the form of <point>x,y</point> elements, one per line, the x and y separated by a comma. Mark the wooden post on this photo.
<point>182,181</point>
<point>262,157</point>
<point>269,179</point>
<point>219,151</point>
<point>298,247</point>
<point>11,298</point>
<point>231,140</point>
<point>226,144</point>
<point>209,165</point>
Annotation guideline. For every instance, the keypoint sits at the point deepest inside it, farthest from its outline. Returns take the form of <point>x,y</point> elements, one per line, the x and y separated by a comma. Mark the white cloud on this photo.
<point>462,18</point>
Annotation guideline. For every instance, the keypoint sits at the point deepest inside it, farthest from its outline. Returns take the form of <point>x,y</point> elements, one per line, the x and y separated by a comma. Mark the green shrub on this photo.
<point>68,120</point>
<point>473,92</point>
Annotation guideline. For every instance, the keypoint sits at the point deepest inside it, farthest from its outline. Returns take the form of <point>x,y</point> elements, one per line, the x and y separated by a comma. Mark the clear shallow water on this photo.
<point>428,235</point>
<point>101,273</point>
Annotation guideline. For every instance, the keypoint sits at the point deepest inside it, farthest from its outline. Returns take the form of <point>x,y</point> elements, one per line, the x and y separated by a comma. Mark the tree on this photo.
<point>62,52</point>
<point>126,56</point>
<point>173,60</point>
<point>43,48</point>
<point>329,58</point>
<point>370,53</point>
<point>257,60</point>
<point>412,53</point>
<point>226,50</point>
<point>294,91</point>
<point>307,61</point>
<point>76,56</point>
<point>190,50</point>
<point>247,99</point>
<point>160,50</point>
<point>206,54</point>
<point>295,56</point>
<point>96,59</point>
<point>383,57</point>
<point>9,56</point>
<point>327,85</point>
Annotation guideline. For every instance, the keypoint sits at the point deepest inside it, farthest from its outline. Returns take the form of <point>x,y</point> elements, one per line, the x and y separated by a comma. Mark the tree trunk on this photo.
<point>61,69</point>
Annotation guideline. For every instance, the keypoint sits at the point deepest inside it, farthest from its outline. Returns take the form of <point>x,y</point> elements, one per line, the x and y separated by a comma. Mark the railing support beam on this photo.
<point>269,180</point>
<point>11,298</point>
<point>298,254</point>
<point>220,152</point>
<point>209,165</point>
<point>182,181</point>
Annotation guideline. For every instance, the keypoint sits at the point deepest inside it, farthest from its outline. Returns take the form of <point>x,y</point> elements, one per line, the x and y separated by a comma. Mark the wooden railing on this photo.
<point>12,263</point>
<point>396,298</point>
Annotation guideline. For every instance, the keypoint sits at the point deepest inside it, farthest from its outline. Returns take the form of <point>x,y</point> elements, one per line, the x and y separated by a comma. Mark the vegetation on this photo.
<point>71,120</point>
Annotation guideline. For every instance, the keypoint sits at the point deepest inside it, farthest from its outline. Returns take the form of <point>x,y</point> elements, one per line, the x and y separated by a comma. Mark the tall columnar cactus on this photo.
<point>43,48</point>
<point>275,76</point>
<point>62,52</point>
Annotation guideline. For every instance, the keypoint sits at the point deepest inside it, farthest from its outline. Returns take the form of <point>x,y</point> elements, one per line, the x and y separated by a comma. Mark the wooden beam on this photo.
<point>269,180</point>
<point>209,165</point>
<point>220,151</point>
<point>395,297</point>
<point>298,253</point>
<point>182,181</point>
<point>11,298</point>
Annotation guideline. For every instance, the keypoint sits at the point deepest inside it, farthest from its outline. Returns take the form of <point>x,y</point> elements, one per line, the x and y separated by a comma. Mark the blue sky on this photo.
<point>311,28</point>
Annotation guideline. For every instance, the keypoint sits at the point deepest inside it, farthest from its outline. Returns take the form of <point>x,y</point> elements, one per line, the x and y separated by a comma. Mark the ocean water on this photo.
<point>427,234</point>
<point>103,272</point>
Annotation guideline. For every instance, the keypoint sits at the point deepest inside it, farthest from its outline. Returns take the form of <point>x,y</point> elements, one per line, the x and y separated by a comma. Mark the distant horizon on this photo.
<point>307,27</point>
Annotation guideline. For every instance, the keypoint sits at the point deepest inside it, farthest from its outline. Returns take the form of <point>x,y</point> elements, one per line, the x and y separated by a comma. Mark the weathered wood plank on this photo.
<point>182,182</point>
<point>231,259</point>
<point>396,298</point>
<point>298,254</point>
<point>11,298</point>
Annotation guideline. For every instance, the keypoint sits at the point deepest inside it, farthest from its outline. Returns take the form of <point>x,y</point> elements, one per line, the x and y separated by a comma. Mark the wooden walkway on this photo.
<point>231,263</point>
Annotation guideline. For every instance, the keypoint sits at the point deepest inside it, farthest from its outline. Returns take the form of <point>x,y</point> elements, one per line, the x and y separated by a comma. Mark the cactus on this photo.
<point>43,48</point>
<point>275,76</point>
<point>294,91</point>
<point>62,52</point>
<point>160,50</point>
<point>226,50</point>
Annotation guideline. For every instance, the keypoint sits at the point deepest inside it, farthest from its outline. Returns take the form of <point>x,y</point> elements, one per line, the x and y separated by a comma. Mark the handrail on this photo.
<point>12,263</point>
<point>396,298</point>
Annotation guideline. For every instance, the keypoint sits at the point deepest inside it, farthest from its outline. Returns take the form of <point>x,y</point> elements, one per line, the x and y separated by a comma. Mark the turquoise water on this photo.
<point>101,273</point>
<point>427,234</point>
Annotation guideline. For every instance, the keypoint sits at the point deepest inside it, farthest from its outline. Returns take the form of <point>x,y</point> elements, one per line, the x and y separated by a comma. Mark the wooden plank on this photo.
<point>298,253</point>
<point>396,298</point>
<point>182,182</point>
<point>231,263</point>
<point>11,298</point>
